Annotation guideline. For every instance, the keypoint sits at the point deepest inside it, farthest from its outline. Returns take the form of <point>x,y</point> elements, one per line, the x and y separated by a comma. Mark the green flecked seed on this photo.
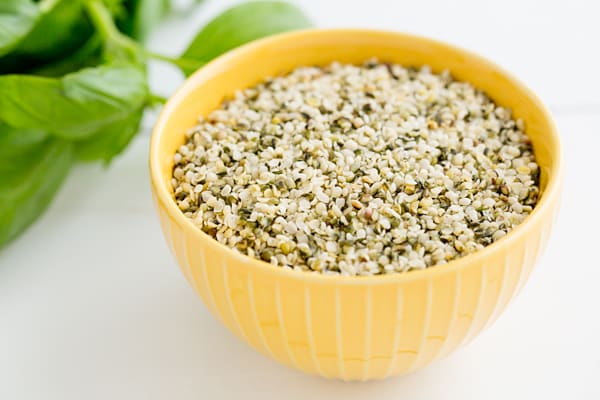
<point>287,247</point>
<point>266,255</point>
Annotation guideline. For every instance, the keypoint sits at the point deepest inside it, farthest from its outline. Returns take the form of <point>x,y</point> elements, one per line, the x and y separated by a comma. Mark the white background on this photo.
<point>92,306</point>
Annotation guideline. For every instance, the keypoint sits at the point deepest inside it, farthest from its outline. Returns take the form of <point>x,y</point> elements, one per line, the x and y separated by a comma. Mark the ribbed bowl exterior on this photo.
<point>349,328</point>
<point>352,331</point>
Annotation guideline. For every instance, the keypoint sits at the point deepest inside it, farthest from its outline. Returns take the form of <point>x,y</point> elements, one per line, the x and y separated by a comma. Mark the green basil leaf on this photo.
<point>32,167</point>
<point>17,18</point>
<point>115,7</point>
<point>86,56</point>
<point>76,106</point>
<point>143,15</point>
<point>110,140</point>
<point>59,30</point>
<point>241,24</point>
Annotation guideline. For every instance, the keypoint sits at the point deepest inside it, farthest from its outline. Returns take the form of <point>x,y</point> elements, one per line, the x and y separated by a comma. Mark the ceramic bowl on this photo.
<point>353,328</point>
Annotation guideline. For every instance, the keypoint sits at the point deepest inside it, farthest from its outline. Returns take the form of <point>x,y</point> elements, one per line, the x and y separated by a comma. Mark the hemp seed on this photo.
<point>357,170</point>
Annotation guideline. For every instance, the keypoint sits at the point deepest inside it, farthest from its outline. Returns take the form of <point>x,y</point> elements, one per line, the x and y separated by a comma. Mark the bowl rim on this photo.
<point>550,195</point>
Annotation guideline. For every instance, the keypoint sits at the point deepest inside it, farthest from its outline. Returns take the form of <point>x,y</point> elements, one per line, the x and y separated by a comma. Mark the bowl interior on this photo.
<point>250,64</point>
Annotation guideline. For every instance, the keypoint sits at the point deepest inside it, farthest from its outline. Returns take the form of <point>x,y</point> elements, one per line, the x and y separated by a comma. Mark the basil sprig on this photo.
<point>74,86</point>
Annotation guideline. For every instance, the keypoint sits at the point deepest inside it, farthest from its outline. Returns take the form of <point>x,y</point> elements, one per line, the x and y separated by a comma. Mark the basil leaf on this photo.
<point>143,15</point>
<point>115,7</point>
<point>86,56</point>
<point>17,18</point>
<point>75,106</point>
<point>241,24</point>
<point>58,31</point>
<point>32,167</point>
<point>110,140</point>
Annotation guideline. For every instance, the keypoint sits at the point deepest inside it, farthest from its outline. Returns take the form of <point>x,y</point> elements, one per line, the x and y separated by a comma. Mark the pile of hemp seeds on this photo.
<point>357,170</point>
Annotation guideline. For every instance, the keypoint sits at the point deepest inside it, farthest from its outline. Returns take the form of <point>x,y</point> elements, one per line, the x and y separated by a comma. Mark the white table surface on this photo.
<point>92,305</point>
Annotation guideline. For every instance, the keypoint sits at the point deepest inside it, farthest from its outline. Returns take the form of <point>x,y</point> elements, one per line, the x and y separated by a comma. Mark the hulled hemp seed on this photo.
<point>357,170</point>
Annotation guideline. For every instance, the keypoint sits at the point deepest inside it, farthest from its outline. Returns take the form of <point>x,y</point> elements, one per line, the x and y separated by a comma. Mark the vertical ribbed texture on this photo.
<point>257,325</point>
<point>204,284</point>
<point>201,281</point>
<point>447,346</point>
<point>228,299</point>
<point>354,332</point>
<point>286,343</point>
<point>338,335</point>
<point>309,331</point>
<point>397,333</point>
<point>178,243</point>
<point>192,257</point>
<point>423,344</point>
<point>369,329</point>
<point>498,303</point>
<point>439,323</point>
<point>475,315</point>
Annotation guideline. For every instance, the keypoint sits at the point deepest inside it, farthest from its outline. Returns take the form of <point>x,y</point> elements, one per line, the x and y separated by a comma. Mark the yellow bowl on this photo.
<point>353,328</point>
